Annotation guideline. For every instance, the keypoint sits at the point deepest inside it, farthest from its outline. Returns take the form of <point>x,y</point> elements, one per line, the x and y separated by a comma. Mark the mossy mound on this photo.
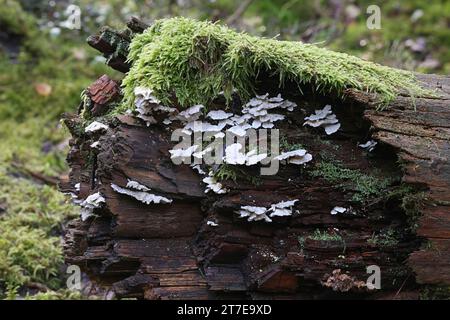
<point>194,61</point>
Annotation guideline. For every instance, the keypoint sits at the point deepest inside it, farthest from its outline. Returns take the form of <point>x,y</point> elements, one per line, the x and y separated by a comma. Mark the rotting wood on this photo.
<point>170,252</point>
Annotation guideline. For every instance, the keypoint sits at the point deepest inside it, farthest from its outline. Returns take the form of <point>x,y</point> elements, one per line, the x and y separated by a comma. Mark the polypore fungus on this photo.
<point>142,196</point>
<point>212,223</point>
<point>213,185</point>
<point>147,106</point>
<point>369,145</point>
<point>324,118</point>
<point>337,210</point>
<point>95,126</point>
<point>280,209</point>
<point>299,156</point>
<point>234,155</point>
<point>92,202</point>
<point>253,213</point>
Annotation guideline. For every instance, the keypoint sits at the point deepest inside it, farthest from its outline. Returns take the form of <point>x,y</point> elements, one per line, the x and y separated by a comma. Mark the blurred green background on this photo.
<point>45,65</point>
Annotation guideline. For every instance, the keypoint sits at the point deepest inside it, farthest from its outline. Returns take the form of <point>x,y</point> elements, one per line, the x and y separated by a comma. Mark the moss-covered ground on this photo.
<point>33,143</point>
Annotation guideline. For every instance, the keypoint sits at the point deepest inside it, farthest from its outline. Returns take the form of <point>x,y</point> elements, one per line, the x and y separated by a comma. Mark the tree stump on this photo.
<point>396,200</point>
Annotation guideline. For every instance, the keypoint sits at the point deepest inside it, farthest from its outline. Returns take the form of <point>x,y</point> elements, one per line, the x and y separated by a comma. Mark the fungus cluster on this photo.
<point>148,106</point>
<point>95,126</point>
<point>280,209</point>
<point>338,210</point>
<point>213,185</point>
<point>257,110</point>
<point>369,145</point>
<point>234,155</point>
<point>212,223</point>
<point>298,157</point>
<point>140,192</point>
<point>92,202</point>
<point>324,118</point>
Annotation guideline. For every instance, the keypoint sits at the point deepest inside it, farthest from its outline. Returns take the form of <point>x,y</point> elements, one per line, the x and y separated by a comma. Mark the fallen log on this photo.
<point>375,193</point>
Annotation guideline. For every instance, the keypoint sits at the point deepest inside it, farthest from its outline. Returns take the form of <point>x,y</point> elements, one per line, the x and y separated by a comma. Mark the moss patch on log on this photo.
<point>362,185</point>
<point>193,61</point>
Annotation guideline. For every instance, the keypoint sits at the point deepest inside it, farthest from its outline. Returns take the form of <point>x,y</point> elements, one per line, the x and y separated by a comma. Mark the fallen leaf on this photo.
<point>43,89</point>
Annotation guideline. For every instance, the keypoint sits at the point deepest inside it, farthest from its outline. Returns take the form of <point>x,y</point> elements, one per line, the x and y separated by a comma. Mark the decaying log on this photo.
<point>162,251</point>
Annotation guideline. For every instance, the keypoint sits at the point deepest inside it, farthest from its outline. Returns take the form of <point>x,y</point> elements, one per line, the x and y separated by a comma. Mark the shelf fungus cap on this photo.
<point>212,223</point>
<point>213,185</point>
<point>298,157</point>
<point>183,153</point>
<point>253,213</point>
<point>337,210</point>
<point>142,196</point>
<point>96,126</point>
<point>93,201</point>
<point>191,113</point>
<point>282,209</point>
<point>219,115</point>
<point>369,145</point>
<point>323,118</point>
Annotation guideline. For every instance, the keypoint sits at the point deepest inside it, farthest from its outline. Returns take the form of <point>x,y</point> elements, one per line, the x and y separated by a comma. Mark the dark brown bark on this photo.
<point>169,252</point>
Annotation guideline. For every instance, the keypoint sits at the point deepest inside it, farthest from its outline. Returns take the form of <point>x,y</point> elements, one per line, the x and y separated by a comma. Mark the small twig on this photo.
<point>38,286</point>
<point>403,284</point>
<point>52,181</point>
<point>239,12</point>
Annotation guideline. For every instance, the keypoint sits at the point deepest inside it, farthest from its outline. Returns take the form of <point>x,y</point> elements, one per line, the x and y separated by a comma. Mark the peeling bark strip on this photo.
<point>386,204</point>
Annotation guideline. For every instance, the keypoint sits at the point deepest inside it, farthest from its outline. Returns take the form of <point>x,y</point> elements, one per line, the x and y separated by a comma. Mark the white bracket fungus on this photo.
<point>369,145</point>
<point>191,114</point>
<point>200,126</point>
<point>198,169</point>
<point>92,202</point>
<point>234,156</point>
<point>95,126</point>
<point>324,118</point>
<point>137,186</point>
<point>148,105</point>
<point>240,129</point>
<point>142,196</point>
<point>212,223</point>
<point>213,185</point>
<point>254,213</point>
<point>183,153</point>
<point>299,156</point>
<point>280,209</point>
<point>95,144</point>
<point>337,210</point>
<point>219,115</point>
<point>257,109</point>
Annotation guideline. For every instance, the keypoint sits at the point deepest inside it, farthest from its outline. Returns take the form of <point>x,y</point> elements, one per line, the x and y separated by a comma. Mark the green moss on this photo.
<point>411,202</point>
<point>31,139</point>
<point>363,185</point>
<point>194,61</point>
<point>14,19</point>
<point>286,146</point>
<point>319,235</point>
<point>235,173</point>
<point>431,292</point>
<point>387,238</point>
